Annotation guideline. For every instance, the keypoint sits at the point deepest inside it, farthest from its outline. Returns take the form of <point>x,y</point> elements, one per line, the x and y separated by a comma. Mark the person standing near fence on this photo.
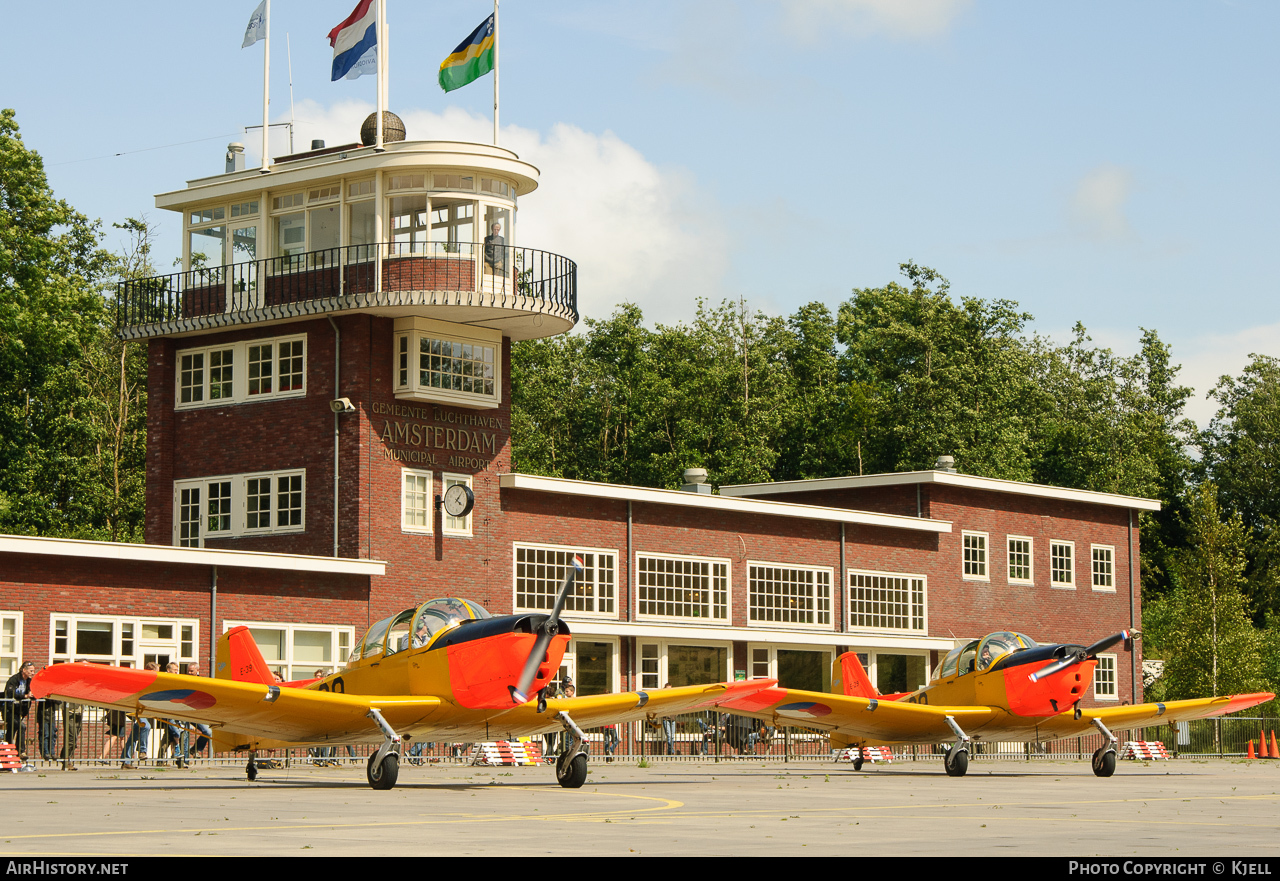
<point>72,719</point>
<point>47,728</point>
<point>17,692</point>
<point>205,735</point>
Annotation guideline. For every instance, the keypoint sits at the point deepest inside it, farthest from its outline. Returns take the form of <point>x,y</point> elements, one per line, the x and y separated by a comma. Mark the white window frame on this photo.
<point>1031,559</point>
<point>644,680</point>
<point>405,366</point>
<point>821,607</point>
<point>449,524</point>
<point>978,568</point>
<point>138,642</point>
<point>771,664</point>
<point>711,562</point>
<point>239,506</point>
<point>1100,690</point>
<point>405,525</point>
<point>292,666</point>
<point>1110,551</point>
<point>615,648</point>
<point>1071,559</point>
<point>591,577</point>
<point>10,658</point>
<point>239,373</point>
<point>915,624</point>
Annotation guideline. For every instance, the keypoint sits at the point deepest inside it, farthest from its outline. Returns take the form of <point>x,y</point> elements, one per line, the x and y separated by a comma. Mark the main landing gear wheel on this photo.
<point>385,775</point>
<point>1104,762</point>
<point>571,771</point>
<point>251,771</point>
<point>956,762</point>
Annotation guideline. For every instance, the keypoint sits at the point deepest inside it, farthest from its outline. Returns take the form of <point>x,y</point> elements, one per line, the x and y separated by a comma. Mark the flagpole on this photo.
<point>382,70</point>
<point>496,47</point>
<point>266,91</point>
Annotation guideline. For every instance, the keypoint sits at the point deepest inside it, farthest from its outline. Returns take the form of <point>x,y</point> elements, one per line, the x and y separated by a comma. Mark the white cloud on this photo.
<point>639,233</point>
<point>913,19</point>
<point>1098,204</point>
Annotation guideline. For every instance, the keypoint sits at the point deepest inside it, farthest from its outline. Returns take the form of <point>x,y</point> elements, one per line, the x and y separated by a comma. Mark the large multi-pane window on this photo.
<point>1105,679</point>
<point>975,555</point>
<point>299,651</point>
<point>1103,567</point>
<point>677,665</point>
<point>1020,558</point>
<point>434,362</point>
<point>1062,563</point>
<point>123,641</point>
<point>540,571</point>
<point>881,601</point>
<point>230,506</point>
<point>237,373</point>
<point>788,595</point>
<point>683,588</point>
<point>10,643</point>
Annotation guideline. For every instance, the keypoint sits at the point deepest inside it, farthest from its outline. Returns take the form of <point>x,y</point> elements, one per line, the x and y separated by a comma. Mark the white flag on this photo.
<point>257,29</point>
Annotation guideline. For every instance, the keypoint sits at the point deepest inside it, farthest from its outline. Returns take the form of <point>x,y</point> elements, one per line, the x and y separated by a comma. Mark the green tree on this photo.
<point>1211,645</point>
<point>55,347</point>
<point>1241,453</point>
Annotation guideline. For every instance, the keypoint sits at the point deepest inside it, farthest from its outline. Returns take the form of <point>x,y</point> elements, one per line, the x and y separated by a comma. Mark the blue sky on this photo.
<point>1102,162</point>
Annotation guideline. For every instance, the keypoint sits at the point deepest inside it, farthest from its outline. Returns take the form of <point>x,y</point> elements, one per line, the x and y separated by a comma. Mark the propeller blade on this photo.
<point>520,691</point>
<point>1077,657</point>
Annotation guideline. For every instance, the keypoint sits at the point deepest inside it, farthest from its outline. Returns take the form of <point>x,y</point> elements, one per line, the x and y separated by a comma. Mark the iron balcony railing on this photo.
<point>357,276</point>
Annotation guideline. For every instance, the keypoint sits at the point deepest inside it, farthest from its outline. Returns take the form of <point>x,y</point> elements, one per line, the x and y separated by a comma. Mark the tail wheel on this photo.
<point>571,773</point>
<point>858,760</point>
<point>956,762</point>
<point>1104,762</point>
<point>384,777</point>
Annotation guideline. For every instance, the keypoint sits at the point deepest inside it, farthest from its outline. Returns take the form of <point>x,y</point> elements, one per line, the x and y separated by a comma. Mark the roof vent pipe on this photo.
<point>945,463</point>
<point>317,145</point>
<point>235,157</point>
<point>695,481</point>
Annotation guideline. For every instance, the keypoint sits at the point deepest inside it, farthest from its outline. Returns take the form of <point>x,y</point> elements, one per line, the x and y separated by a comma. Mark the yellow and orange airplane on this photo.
<point>444,670</point>
<point>1002,688</point>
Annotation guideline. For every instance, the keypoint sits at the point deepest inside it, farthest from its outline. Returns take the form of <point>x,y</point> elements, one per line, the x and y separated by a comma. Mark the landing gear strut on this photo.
<point>384,765</point>
<point>956,760</point>
<point>571,766</point>
<point>1104,760</point>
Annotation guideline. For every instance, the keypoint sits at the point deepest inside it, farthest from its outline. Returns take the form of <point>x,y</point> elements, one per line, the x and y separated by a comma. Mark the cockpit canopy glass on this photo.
<point>982,653</point>
<point>440,614</point>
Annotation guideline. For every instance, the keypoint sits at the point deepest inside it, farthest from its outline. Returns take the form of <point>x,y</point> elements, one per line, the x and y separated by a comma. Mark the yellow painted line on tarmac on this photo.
<point>664,804</point>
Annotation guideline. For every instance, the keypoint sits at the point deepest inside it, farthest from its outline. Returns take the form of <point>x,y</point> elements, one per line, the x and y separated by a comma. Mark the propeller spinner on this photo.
<point>1080,655</point>
<point>548,630</point>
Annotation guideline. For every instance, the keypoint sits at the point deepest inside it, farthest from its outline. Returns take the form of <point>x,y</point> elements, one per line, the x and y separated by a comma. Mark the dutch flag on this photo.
<point>355,43</point>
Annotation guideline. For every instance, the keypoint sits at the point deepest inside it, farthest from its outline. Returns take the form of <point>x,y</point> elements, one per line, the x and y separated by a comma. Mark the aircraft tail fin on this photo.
<point>240,660</point>
<point>850,676</point>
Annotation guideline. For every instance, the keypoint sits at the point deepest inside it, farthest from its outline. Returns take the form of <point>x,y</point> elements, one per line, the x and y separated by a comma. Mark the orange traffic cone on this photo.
<point>1275,754</point>
<point>1262,745</point>
<point>1250,754</point>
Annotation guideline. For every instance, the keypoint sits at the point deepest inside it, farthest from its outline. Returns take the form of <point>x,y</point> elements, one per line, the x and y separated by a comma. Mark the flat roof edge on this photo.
<point>721,503</point>
<point>105,550</point>
<point>944,478</point>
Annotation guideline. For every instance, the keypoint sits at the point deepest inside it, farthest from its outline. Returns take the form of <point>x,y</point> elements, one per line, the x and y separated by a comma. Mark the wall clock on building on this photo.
<point>459,500</point>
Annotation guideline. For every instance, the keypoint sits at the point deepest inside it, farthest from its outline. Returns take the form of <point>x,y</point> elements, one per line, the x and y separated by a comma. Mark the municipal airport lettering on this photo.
<point>438,414</point>
<point>458,440</point>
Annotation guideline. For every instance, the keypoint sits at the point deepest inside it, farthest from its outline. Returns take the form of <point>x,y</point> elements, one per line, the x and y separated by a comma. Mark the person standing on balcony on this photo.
<point>495,250</point>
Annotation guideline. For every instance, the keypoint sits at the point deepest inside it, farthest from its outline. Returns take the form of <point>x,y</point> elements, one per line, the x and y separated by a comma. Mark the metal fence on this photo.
<point>53,734</point>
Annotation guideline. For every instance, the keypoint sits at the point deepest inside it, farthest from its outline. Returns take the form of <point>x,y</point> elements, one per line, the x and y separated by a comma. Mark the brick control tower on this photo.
<point>329,374</point>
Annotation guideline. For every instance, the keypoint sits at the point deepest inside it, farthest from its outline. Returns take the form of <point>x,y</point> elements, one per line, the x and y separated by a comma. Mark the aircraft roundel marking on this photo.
<point>179,698</point>
<point>806,708</point>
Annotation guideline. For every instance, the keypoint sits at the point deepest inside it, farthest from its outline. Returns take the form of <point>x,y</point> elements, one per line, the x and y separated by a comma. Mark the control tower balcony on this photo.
<point>422,229</point>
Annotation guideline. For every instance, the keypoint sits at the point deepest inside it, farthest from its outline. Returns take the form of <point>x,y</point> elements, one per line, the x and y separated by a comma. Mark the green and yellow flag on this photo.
<point>471,60</point>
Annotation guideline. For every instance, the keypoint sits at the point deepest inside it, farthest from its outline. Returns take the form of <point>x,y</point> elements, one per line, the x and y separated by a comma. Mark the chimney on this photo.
<point>235,157</point>
<point>695,481</point>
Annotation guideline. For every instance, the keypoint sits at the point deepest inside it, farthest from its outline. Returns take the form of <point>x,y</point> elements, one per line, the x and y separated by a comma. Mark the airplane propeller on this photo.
<point>1080,655</point>
<point>549,628</point>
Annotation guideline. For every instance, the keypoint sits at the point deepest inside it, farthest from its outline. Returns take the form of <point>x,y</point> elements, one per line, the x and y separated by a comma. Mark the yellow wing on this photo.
<point>870,720</point>
<point>1144,715</point>
<point>249,715</point>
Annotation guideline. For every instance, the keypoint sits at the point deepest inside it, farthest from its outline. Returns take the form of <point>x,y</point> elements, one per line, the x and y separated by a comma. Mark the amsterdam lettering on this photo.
<point>424,439</point>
